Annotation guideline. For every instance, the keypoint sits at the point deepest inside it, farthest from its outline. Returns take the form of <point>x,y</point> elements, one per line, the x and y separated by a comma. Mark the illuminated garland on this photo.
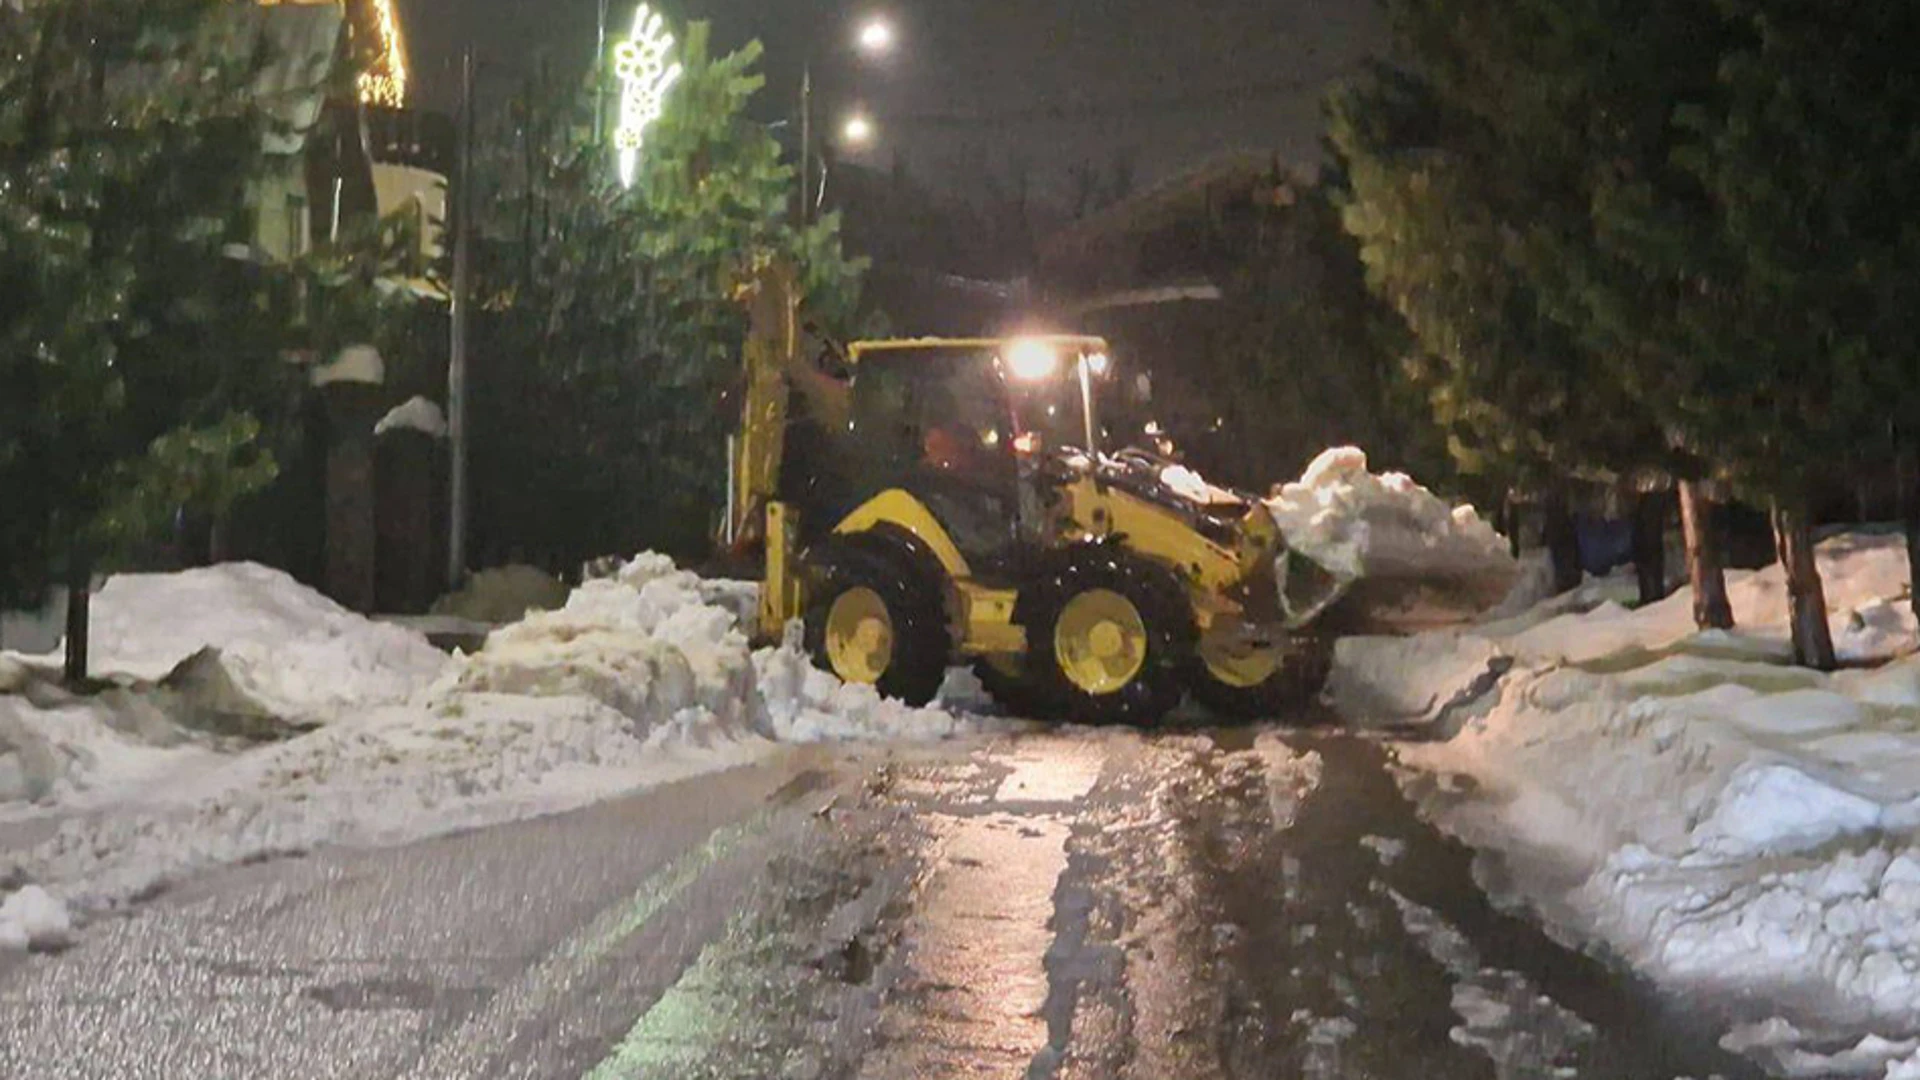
<point>646,72</point>
<point>387,83</point>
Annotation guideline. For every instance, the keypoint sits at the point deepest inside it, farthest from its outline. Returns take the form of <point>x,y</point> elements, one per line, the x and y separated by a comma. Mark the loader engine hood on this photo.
<point>1278,584</point>
<point>1217,513</point>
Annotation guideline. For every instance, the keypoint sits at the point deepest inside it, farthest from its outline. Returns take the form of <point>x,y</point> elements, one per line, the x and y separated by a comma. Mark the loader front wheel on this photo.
<point>1113,641</point>
<point>1270,684</point>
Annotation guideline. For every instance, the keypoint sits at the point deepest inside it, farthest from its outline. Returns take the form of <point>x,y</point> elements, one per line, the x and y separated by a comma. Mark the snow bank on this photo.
<point>1353,521</point>
<point>655,642</point>
<point>1592,626</point>
<point>290,650</point>
<point>504,595</point>
<point>1733,827</point>
<point>645,644</point>
<point>639,679</point>
<point>59,750</point>
<point>31,919</point>
<point>806,705</point>
<point>391,776</point>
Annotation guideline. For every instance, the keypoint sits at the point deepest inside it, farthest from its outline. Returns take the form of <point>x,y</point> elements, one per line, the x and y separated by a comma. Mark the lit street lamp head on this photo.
<point>858,131</point>
<point>876,36</point>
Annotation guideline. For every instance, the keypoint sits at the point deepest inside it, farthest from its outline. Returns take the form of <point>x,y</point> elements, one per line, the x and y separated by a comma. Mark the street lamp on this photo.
<point>874,38</point>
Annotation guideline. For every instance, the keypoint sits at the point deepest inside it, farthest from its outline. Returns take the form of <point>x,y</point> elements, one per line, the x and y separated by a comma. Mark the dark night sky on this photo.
<point>1050,82</point>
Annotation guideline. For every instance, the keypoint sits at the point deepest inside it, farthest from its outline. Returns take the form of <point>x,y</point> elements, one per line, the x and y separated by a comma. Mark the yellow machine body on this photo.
<point>1220,575</point>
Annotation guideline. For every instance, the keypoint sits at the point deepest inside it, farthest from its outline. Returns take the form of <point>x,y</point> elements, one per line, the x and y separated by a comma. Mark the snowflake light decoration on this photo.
<point>645,67</point>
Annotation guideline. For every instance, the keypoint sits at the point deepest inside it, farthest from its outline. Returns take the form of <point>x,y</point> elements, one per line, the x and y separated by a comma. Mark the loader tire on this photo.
<point>1012,689</point>
<point>1112,641</point>
<point>876,620</point>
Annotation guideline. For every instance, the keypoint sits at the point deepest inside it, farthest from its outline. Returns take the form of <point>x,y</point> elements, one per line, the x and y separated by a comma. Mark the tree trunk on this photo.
<point>1909,480</point>
<point>219,540</point>
<point>1650,545</point>
<point>1712,610</point>
<point>1806,596</point>
<point>1563,544</point>
<point>1510,520</point>
<point>79,607</point>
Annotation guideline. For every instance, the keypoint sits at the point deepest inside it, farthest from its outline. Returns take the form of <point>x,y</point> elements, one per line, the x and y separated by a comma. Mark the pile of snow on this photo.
<point>63,750</point>
<point>291,651</point>
<point>504,595</point>
<point>644,644</point>
<point>639,679</point>
<point>1732,826</point>
<point>392,776</point>
<point>663,646</point>
<point>1354,522</point>
<point>803,704</point>
<point>1865,577</point>
<point>32,919</point>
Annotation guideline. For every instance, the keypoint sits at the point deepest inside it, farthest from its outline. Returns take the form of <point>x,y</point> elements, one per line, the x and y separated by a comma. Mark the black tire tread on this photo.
<point>922,645</point>
<point>1163,604</point>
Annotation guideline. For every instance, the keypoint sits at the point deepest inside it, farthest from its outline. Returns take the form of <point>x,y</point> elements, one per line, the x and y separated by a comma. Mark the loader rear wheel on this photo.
<point>1112,642</point>
<point>875,621</point>
<point>1270,684</point>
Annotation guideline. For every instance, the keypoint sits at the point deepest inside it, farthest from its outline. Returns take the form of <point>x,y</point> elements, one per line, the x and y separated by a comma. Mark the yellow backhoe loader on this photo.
<point>929,503</point>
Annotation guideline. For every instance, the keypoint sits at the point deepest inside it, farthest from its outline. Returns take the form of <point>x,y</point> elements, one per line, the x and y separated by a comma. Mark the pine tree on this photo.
<point>1786,343</point>
<point>1484,166</point>
<point>141,362</point>
<point>1448,183</point>
<point>1696,198</point>
<point>1315,358</point>
<point>613,334</point>
<point>127,135</point>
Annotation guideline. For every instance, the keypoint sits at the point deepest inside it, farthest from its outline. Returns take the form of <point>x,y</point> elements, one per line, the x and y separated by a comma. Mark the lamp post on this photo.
<point>858,131</point>
<point>460,314</point>
<point>874,38</point>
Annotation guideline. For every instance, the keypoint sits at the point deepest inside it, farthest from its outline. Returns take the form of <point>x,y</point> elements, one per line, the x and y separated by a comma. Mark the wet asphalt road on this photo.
<point>1080,906</point>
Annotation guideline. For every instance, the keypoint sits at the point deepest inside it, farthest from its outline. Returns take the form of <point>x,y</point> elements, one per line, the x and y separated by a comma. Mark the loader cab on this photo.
<point>1060,389</point>
<point>935,420</point>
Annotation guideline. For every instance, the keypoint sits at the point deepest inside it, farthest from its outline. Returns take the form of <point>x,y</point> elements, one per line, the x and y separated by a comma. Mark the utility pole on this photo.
<point>806,144</point>
<point>600,81</point>
<point>462,305</point>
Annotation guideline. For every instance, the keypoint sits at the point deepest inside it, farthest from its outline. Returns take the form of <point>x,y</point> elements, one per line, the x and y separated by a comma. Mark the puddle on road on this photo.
<point>1264,874</point>
<point>978,938</point>
<point>1064,773</point>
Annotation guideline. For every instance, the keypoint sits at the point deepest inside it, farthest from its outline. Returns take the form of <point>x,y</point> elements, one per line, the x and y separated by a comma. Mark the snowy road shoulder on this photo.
<point>1743,832</point>
<point>641,679</point>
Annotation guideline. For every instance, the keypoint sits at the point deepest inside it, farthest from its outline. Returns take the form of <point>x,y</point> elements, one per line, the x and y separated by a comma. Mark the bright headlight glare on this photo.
<point>1032,360</point>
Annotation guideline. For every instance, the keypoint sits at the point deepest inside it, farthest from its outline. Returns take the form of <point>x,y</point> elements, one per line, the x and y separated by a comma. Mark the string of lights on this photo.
<point>645,67</point>
<point>386,83</point>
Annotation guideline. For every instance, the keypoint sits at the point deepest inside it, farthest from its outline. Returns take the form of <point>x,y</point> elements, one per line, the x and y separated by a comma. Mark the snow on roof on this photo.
<point>418,414</point>
<point>358,364</point>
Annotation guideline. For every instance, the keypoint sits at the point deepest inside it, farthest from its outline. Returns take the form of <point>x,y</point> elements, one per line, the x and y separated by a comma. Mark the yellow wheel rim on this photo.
<point>1242,667</point>
<point>1100,642</point>
<point>860,637</point>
